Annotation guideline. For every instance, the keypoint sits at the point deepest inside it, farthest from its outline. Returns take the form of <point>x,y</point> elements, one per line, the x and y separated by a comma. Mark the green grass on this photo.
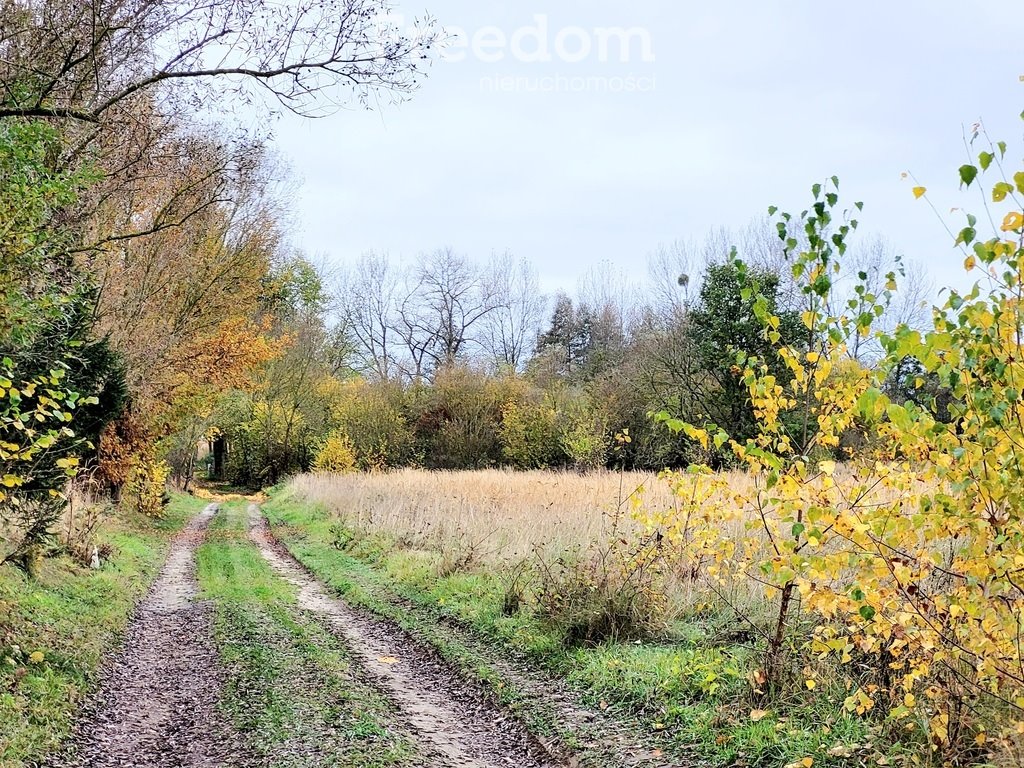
<point>73,616</point>
<point>291,686</point>
<point>688,697</point>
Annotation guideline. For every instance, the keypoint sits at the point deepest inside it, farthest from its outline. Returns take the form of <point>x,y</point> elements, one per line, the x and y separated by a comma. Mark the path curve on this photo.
<point>452,724</point>
<point>157,705</point>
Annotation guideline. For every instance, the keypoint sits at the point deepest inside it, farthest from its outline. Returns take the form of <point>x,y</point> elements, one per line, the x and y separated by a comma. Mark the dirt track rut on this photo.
<point>157,706</point>
<point>453,725</point>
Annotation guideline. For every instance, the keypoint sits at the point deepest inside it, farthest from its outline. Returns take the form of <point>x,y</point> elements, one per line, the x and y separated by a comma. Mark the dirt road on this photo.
<point>166,695</point>
<point>452,725</point>
<point>158,703</point>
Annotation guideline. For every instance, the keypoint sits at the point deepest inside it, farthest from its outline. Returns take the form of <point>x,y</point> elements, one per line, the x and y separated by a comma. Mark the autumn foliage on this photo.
<point>904,563</point>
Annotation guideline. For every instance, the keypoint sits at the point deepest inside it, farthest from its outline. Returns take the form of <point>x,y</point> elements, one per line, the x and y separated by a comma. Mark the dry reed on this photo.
<point>503,514</point>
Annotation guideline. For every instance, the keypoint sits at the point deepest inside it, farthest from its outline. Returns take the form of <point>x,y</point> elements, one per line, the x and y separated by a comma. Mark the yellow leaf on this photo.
<point>810,684</point>
<point>36,657</point>
<point>919,192</point>
<point>1013,222</point>
<point>969,263</point>
<point>758,714</point>
<point>387,660</point>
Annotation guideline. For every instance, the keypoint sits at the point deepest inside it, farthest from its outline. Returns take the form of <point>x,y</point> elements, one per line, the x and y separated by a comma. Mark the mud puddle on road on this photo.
<point>157,703</point>
<point>453,725</point>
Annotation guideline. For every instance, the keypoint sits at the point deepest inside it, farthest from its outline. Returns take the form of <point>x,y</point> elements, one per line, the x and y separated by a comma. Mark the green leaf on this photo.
<point>985,160</point>
<point>1018,179</point>
<point>866,612</point>
<point>675,425</point>
<point>798,528</point>
<point>967,235</point>
<point>1000,191</point>
<point>968,173</point>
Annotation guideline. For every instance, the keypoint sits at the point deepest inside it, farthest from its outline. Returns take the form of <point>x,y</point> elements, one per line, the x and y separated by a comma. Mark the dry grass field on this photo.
<point>503,514</point>
<point>493,518</point>
<point>496,518</point>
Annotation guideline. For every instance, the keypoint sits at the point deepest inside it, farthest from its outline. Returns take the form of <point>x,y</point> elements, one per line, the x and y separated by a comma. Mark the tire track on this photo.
<point>453,725</point>
<point>157,705</point>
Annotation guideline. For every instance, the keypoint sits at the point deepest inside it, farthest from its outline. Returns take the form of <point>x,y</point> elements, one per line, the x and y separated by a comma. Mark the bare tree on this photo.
<point>606,290</point>
<point>510,331</point>
<point>372,314</point>
<point>80,60</point>
<point>446,298</point>
<point>670,274</point>
<point>915,296</point>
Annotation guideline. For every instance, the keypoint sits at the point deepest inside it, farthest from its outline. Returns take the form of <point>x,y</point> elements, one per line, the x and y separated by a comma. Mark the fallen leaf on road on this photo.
<point>387,660</point>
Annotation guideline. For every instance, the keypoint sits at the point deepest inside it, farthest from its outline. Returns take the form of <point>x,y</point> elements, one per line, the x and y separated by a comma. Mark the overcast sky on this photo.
<point>744,104</point>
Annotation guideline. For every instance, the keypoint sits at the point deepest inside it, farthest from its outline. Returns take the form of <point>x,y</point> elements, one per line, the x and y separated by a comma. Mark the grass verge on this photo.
<point>56,629</point>
<point>688,697</point>
<point>292,689</point>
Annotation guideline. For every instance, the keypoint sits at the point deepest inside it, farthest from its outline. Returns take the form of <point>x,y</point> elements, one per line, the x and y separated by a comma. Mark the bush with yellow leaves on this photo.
<point>145,490</point>
<point>907,561</point>
<point>336,454</point>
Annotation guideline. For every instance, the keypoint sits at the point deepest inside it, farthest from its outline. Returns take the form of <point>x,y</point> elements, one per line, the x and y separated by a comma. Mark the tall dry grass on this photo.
<point>495,517</point>
<point>504,514</point>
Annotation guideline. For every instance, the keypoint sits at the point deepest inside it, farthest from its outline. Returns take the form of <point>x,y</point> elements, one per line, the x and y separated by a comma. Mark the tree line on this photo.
<point>447,362</point>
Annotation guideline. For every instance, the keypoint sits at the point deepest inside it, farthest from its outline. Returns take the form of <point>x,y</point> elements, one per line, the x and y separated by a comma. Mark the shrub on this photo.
<point>370,416</point>
<point>119,444</point>
<point>529,435</point>
<point>583,436</point>
<point>459,420</point>
<point>335,455</point>
<point>38,457</point>
<point>146,488</point>
<point>615,592</point>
